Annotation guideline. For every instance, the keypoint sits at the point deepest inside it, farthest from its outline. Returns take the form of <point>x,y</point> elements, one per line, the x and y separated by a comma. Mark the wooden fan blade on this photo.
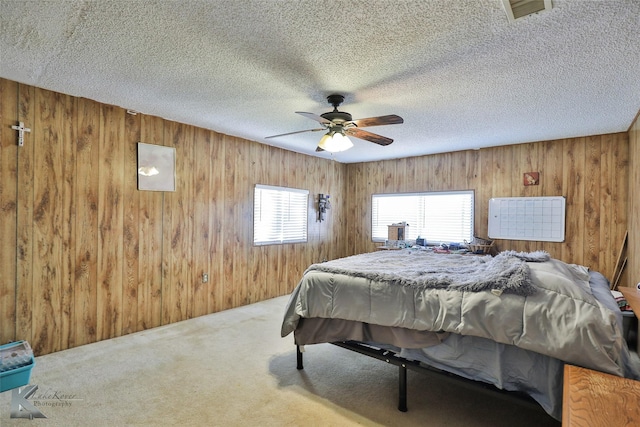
<point>315,117</point>
<point>368,136</point>
<point>293,133</point>
<point>391,119</point>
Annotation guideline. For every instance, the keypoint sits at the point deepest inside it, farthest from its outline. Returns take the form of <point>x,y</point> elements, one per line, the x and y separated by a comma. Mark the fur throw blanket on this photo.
<point>507,272</point>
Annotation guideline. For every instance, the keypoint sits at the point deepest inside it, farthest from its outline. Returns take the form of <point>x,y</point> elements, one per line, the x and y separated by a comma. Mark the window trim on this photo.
<point>281,241</point>
<point>419,193</point>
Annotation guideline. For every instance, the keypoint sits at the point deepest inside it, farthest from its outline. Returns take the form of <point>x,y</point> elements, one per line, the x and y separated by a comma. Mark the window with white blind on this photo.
<point>438,217</point>
<point>279,215</point>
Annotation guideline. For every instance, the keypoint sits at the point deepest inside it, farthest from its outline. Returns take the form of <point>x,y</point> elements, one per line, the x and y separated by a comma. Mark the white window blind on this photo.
<point>438,217</point>
<point>279,215</point>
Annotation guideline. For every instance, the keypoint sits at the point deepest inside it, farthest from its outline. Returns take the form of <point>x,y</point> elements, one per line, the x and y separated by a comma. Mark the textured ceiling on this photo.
<point>460,74</point>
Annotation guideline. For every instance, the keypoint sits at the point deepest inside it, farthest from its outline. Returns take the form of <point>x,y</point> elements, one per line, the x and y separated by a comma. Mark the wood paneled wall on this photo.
<point>85,256</point>
<point>591,172</point>
<point>633,250</point>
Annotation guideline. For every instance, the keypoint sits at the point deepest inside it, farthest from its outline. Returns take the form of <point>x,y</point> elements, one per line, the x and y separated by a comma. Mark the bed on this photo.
<point>511,321</point>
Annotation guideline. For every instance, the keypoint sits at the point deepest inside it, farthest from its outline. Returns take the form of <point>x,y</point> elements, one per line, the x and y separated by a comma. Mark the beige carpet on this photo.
<point>233,369</point>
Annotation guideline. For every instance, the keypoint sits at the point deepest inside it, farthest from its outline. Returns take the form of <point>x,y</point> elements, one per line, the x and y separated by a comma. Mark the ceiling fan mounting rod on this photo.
<point>335,100</point>
<point>335,116</point>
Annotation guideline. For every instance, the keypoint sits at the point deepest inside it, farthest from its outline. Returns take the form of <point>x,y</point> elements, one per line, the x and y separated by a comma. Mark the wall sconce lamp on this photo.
<point>323,206</point>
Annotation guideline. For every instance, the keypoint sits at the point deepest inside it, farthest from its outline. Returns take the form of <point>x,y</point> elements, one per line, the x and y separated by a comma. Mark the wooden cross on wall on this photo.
<point>21,130</point>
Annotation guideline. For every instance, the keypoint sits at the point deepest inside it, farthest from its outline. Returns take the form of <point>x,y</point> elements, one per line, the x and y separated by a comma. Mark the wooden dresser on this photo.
<point>593,399</point>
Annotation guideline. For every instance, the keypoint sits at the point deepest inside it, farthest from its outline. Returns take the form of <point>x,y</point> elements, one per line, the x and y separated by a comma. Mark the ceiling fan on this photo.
<point>340,124</point>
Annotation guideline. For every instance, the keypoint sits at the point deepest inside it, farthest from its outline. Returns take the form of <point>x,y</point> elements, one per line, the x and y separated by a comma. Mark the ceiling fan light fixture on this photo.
<point>335,142</point>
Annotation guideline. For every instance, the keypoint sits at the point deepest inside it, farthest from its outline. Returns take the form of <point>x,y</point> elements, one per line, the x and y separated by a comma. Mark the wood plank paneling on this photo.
<point>551,178</point>
<point>178,223</point>
<point>111,223</point>
<point>573,168</point>
<point>94,258</point>
<point>592,201</point>
<point>216,153</point>
<point>47,261</point>
<point>89,128</point>
<point>150,237</point>
<point>230,204</point>
<point>621,196</point>
<point>201,213</point>
<point>482,192</point>
<point>8,206</point>
<point>68,259</point>
<point>25,222</point>
<point>131,221</point>
<point>243,215</point>
<point>632,276</point>
<point>605,209</point>
<point>574,190</point>
<point>259,269</point>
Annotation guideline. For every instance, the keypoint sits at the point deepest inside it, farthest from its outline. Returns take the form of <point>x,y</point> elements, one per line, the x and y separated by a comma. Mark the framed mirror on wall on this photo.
<point>156,167</point>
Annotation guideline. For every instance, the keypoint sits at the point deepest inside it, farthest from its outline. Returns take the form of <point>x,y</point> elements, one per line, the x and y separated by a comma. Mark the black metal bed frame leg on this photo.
<point>299,358</point>
<point>402,388</point>
<point>403,364</point>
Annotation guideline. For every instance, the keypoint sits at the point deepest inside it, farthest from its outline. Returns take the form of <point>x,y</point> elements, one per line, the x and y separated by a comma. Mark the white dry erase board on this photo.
<point>527,218</point>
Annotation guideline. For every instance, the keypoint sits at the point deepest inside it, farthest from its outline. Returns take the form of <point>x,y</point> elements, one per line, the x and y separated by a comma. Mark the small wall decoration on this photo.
<point>531,178</point>
<point>156,167</point>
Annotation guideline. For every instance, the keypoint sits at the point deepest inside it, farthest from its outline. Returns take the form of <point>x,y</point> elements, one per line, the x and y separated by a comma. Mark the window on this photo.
<point>439,217</point>
<point>279,215</point>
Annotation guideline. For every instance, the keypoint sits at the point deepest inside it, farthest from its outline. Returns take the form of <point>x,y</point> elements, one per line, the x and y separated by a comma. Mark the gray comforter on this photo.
<point>543,306</point>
